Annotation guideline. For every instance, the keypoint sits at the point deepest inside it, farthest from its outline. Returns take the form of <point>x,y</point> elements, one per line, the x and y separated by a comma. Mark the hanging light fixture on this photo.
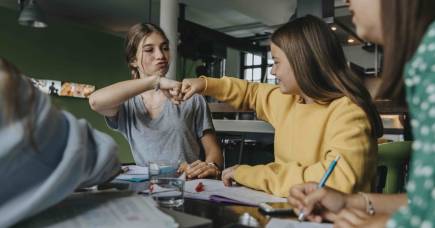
<point>31,15</point>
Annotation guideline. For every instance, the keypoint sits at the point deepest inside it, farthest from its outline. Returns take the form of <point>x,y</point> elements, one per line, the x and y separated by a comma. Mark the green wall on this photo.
<point>76,53</point>
<point>70,52</point>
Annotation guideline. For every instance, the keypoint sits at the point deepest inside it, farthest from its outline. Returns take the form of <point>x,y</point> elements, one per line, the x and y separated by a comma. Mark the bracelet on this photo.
<point>157,84</point>
<point>370,209</point>
<point>218,170</point>
<point>206,84</point>
<point>214,165</point>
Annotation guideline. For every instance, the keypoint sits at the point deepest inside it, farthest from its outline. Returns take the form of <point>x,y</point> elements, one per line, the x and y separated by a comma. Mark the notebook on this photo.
<point>214,190</point>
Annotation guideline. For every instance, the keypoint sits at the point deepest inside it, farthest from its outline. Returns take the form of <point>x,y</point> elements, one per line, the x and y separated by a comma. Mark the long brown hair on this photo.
<point>18,104</point>
<point>404,23</point>
<point>134,35</point>
<point>320,67</point>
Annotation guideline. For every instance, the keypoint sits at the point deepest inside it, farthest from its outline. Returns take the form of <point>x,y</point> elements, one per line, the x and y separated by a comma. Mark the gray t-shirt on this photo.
<point>173,135</point>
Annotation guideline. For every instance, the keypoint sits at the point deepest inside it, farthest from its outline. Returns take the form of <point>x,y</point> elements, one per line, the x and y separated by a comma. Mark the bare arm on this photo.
<point>213,154</point>
<point>383,203</point>
<point>331,202</point>
<point>107,100</point>
<point>212,149</point>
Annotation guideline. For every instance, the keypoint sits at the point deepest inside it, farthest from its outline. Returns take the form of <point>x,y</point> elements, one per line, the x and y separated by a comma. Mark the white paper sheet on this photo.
<point>238,193</point>
<point>103,210</point>
<point>287,223</point>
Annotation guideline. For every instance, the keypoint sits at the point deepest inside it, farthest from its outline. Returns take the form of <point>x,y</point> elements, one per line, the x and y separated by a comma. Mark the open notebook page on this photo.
<point>215,189</point>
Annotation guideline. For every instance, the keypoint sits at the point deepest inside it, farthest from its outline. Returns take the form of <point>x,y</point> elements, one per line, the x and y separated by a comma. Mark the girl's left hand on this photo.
<point>201,169</point>
<point>228,175</point>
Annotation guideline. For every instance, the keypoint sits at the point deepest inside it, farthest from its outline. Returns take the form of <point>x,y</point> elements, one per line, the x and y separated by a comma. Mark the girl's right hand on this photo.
<point>171,89</point>
<point>317,204</point>
<point>191,86</point>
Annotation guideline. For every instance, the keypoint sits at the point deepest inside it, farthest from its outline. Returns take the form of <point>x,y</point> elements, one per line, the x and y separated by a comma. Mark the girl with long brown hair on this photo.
<point>319,110</point>
<point>140,109</point>
<point>406,29</point>
<point>45,153</point>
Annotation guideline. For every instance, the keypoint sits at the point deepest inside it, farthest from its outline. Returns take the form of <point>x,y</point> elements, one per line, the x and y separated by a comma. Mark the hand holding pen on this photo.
<point>321,184</point>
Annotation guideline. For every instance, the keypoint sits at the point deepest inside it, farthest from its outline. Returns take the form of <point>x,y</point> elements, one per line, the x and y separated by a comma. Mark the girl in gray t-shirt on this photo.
<point>148,110</point>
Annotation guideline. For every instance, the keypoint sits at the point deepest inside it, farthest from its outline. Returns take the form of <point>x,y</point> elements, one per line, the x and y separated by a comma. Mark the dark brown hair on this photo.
<point>320,67</point>
<point>404,23</point>
<point>18,104</point>
<point>135,34</point>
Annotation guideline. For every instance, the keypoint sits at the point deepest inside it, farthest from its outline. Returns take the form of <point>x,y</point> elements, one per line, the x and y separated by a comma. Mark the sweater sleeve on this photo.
<point>347,134</point>
<point>69,153</point>
<point>243,95</point>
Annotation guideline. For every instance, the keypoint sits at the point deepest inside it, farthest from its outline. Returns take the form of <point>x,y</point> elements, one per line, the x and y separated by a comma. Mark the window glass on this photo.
<point>256,77</point>
<point>248,59</point>
<point>248,74</point>
<point>257,60</point>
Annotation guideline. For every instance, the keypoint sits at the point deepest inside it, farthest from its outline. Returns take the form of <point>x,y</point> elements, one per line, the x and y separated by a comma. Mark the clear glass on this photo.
<point>167,191</point>
<point>164,186</point>
<point>163,168</point>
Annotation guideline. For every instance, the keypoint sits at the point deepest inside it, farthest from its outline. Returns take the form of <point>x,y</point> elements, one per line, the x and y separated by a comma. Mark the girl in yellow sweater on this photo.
<point>319,110</point>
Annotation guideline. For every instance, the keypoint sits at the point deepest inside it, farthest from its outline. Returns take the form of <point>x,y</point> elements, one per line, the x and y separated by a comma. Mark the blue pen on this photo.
<point>323,181</point>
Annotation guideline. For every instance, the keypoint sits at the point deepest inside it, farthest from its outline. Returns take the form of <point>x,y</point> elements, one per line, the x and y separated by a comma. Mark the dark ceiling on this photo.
<point>233,17</point>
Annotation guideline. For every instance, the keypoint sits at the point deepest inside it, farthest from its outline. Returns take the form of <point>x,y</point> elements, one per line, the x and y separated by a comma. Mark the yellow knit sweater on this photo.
<point>307,138</point>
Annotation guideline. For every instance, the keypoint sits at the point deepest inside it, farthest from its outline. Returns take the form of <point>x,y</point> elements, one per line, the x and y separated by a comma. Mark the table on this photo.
<point>222,215</point>
<point>243,126</point>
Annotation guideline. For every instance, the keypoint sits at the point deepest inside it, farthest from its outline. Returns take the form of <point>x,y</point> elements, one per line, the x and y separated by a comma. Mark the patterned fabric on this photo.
<point>420,95</point>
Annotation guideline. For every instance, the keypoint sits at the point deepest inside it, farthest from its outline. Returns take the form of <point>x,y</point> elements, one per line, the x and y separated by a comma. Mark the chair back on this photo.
<point>393,161</point>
